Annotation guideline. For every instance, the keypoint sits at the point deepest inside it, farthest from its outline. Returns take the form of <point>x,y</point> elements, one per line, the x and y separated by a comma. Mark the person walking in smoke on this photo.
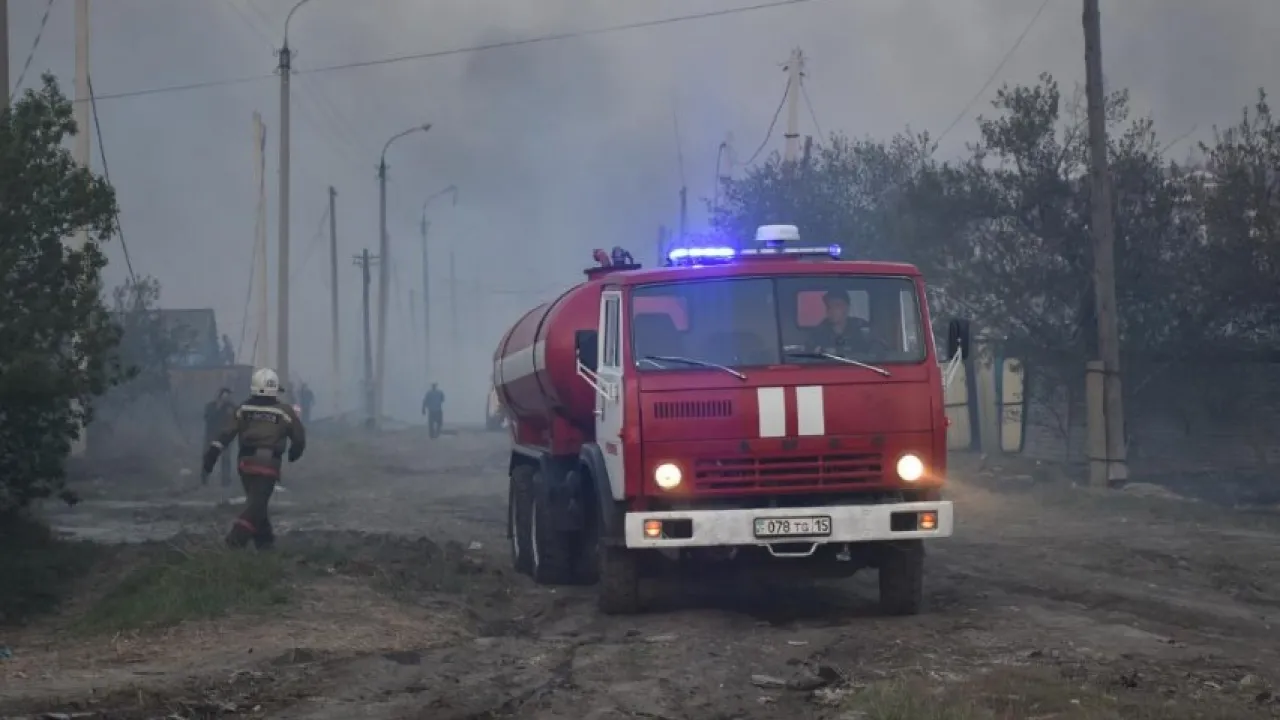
<point>267,428</point>
<point>433,408</point>
<point>218,414</point>
<point>306,400</point>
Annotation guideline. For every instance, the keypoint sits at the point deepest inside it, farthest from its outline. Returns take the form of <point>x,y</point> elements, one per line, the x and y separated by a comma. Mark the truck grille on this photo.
<point>692,409</point>
<point>845,470</point>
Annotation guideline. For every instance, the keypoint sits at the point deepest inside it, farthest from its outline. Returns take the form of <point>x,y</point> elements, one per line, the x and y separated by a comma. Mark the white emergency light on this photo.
<point>777,234</point>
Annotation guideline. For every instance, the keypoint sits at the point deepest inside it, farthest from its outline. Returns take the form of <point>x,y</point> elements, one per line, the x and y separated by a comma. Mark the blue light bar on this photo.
<point>694,254</point>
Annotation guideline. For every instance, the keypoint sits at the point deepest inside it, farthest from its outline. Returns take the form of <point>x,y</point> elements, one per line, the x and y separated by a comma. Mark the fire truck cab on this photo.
<point>772,405</point>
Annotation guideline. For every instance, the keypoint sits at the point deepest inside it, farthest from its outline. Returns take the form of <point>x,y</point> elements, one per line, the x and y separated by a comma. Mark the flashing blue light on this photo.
<point>694,254</point>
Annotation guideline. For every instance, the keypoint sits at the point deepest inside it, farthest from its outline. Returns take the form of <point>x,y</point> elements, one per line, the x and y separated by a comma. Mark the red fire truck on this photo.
<point>771,404</point>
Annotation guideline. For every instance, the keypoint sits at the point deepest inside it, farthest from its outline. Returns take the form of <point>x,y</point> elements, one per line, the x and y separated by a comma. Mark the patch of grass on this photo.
<point>190,583</point>
<point>37,570</point>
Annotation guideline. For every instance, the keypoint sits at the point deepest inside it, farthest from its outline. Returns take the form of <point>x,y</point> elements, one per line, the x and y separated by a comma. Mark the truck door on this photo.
<point>609,401</point>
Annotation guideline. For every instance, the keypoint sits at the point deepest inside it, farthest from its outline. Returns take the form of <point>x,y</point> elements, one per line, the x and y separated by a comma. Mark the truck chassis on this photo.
<point>565,529</point>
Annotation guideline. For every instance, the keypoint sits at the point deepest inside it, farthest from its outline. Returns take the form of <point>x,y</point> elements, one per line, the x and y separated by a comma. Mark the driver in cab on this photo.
<point>839,333</point>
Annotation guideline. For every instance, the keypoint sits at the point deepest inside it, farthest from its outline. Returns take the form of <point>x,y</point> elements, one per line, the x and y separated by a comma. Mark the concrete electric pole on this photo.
<point>82,105</point>
<point>384,268</point>
<point>4,54</point>
<point>333,305</point>
<point>452,191</point>
<point>363,261</point>
<point>262,347</point>
<point>1103,229</point>
<point>795,77</point>
<point>285,68</point>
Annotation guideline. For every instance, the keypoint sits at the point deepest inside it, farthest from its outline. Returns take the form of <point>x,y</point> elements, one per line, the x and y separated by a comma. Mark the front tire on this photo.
<point>519,509</point>
<point>619,591</point>
<point>902,577</point>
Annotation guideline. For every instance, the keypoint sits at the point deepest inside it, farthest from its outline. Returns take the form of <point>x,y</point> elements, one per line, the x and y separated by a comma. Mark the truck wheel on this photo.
<point>519,502</point>
<point>551,557</point>
<point>902,577</point>
<point>619,591</point>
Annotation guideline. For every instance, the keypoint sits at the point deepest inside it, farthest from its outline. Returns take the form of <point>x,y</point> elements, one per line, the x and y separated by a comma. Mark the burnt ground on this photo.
<point>1050,602</point>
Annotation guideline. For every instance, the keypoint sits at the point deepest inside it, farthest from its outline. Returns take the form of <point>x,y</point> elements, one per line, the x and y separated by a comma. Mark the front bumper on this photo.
<point>849,524</point>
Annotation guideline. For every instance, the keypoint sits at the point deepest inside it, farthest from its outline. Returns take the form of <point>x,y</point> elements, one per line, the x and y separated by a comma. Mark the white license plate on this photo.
<point>774,527</point>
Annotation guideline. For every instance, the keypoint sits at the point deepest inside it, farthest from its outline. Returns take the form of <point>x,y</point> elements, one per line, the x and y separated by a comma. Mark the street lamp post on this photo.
<point>452,191</point>
<point>282,279</point>
<point>384,268</point>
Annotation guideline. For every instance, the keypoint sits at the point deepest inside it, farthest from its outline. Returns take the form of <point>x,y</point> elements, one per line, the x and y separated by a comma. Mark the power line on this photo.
<point>106,175</point>
<point>812,115</point>
<point>31,55</point>
<point>315,242</point>
<point>773,123</point>
<point>541,39</point>
<point>994,73</point>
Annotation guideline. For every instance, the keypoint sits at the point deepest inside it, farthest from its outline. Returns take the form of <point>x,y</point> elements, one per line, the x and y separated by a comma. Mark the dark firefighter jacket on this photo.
<point>266,429</point>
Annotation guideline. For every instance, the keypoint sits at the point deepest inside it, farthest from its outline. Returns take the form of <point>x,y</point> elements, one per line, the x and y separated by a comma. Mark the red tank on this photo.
<point>535,371</point>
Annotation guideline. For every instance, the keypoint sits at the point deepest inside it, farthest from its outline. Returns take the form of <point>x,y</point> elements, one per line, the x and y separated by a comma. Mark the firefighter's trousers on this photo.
<point>255,522</point>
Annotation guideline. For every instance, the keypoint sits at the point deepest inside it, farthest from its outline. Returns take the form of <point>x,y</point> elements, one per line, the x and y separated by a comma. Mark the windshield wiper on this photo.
<point>829,356</point>
<point>691,361</point>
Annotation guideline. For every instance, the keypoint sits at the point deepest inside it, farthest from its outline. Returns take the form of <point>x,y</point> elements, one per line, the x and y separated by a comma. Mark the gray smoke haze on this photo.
<point>556,148</point>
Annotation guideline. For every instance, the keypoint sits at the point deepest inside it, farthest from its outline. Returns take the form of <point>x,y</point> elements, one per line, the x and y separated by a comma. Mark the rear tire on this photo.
<point>619,591</point>
<point>902,577</point>
<point>552,559</point>
<point>519,507</point>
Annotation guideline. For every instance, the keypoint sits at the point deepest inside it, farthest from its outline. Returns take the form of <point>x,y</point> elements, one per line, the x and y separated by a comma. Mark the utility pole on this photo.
<point>384,281</point>
<point>453,312</point>
<point>262,354</point>
<point>684,216</point>
<point>795,77</point>
<point>81,106</point>
<point>285,68</point>
<point>426,301</point>
<point>1102,225</point>
<point>662,245</point>
<point>363,261</point>
<point>333,305</point>
<point>4,53</point>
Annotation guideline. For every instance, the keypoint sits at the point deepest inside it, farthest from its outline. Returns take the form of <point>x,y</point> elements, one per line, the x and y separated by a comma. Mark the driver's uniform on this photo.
<point>853,338</point>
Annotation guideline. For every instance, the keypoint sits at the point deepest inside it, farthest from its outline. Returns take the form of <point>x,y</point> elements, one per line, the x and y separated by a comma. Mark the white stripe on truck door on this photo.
<point>811,415</point>
<point>772,402</point>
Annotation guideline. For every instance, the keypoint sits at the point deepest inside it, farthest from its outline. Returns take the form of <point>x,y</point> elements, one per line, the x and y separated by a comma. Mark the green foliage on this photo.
<point>56,337</point>
<point>191,583</point>
<point>1003,235</point>
<point>36,568</point>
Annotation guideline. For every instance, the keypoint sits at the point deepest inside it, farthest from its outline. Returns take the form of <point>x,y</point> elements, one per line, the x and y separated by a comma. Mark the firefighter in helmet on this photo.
<point>266,428</point>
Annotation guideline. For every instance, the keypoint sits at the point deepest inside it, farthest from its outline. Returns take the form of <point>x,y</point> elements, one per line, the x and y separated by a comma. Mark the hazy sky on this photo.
<point>556,148</point>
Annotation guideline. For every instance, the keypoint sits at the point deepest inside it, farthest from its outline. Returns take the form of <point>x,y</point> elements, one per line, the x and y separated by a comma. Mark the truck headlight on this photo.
<point>667,476</point>
<point>910,467</point>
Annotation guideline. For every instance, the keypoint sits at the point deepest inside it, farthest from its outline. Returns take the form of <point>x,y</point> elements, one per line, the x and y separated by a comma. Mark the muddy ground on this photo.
<point>1050,602</point>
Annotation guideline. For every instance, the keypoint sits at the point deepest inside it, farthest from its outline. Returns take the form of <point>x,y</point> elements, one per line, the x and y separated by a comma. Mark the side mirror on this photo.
<point>958,339</point>
<point>586,343</point>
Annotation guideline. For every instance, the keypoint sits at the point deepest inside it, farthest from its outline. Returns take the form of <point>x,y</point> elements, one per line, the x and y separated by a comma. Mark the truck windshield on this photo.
<point>743,322</point>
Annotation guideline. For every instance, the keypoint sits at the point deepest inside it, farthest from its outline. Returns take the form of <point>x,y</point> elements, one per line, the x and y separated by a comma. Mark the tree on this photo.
<point>840,193</point>
<point>56,336</point>
<point>147,342</point>
<point>1241,195</point>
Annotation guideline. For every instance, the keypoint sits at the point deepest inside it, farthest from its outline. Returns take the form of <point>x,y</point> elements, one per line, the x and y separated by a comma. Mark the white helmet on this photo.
<point>265,383</point>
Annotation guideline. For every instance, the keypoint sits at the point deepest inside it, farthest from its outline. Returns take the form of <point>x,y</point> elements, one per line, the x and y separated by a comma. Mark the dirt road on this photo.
<point>1049,603</point>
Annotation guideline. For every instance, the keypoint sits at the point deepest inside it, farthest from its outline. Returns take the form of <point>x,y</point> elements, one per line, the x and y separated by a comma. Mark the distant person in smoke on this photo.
<point>433,408</point>
<point>228,351</point>
<point>218,413</point>
<point>306,399</point>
